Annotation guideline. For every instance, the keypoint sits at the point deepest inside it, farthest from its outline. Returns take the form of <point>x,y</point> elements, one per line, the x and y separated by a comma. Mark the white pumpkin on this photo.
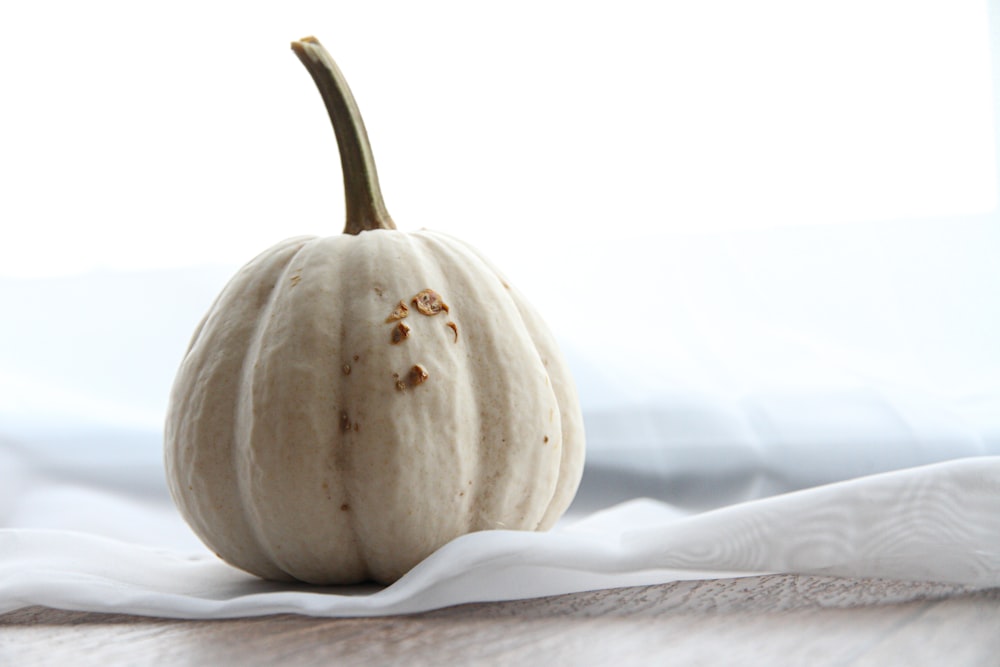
<point>351,403</point>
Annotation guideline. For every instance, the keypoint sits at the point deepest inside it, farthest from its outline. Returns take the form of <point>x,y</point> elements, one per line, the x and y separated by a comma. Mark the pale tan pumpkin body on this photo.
<point>292,450</point>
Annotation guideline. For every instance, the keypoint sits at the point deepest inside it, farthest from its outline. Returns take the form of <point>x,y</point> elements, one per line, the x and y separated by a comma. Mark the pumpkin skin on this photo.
<point>314,435</point>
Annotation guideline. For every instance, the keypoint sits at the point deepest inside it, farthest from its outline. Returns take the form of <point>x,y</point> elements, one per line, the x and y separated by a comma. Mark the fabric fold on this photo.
<point>936,523</point>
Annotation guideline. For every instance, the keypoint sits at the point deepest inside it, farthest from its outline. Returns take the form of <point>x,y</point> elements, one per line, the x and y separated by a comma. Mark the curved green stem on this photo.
<point>362,195</point>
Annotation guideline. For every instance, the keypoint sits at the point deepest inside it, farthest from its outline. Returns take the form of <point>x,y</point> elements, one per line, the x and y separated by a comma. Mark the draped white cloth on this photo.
<point>807,445</point>
<point>937,523</point>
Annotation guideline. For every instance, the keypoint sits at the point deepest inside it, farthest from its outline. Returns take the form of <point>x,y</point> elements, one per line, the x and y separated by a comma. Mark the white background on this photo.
<point>766,233</point>
<point>175,134</point>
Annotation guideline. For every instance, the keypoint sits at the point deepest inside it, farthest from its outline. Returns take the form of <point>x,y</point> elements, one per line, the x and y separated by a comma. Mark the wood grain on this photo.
<point>771,620</point>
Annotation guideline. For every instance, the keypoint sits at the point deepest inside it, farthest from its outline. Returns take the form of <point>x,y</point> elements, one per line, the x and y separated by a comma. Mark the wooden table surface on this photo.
<point>770,620</point>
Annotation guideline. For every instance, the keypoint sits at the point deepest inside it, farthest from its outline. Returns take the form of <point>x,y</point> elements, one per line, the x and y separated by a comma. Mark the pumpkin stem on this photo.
<point>362,195</point>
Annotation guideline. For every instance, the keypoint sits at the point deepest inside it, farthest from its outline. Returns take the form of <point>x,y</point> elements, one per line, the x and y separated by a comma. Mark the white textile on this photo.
<point>713,426</point>
<point>933,523</point>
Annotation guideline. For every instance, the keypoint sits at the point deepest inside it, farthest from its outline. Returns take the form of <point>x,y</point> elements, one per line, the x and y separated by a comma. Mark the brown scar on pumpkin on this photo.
<point>345,422</point>
<point>417,375</point>
<point>453,327</point>
<point>400,332</point>
<point>295,279</point>
<point>429,302</point>
<point>398,313</point>
<point>347,369</point>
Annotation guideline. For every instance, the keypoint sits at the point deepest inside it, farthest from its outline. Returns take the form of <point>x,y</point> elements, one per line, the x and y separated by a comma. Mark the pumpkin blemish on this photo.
<point>545,439</point>
<point>454,327</point>
<point>345,422</point>
<point>400,333</point>
<point>429,302</point>
<point>295,279</point>
<point>418,375</point>
<point>398,313</point>
<point>347,369</point>
<point>345,507</point>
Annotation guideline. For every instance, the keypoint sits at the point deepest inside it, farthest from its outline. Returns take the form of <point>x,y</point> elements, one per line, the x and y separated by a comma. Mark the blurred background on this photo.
<point>766,234</point>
